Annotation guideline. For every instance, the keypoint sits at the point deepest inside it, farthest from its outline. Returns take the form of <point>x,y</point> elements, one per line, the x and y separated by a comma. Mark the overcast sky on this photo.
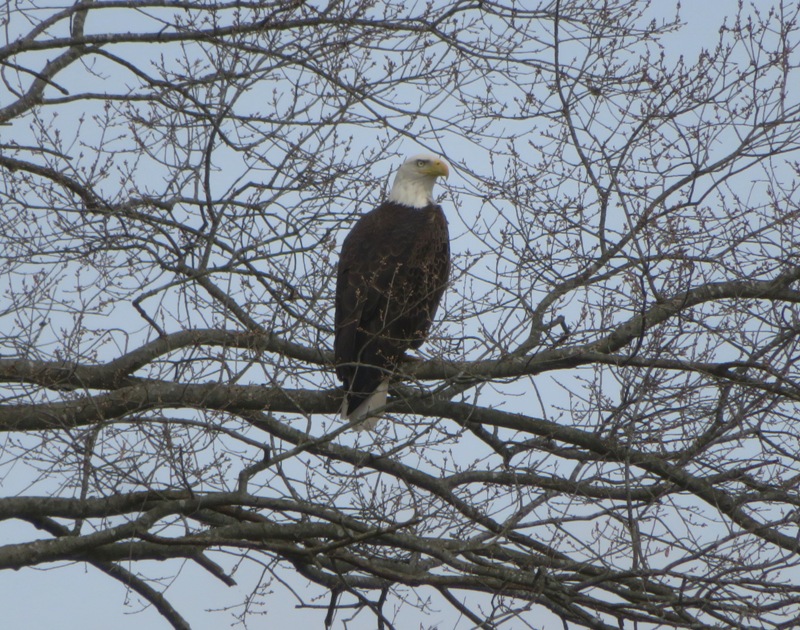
<point>79,596</point>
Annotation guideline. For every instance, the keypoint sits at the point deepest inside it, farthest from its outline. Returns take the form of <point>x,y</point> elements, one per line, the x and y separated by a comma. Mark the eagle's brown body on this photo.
<point>392,273</point>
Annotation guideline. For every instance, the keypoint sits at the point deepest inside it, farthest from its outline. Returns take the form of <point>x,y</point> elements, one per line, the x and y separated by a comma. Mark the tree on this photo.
<point>603,428</point>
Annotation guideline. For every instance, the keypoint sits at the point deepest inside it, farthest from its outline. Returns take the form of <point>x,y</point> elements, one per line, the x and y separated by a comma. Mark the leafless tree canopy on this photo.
<point>603,431</point>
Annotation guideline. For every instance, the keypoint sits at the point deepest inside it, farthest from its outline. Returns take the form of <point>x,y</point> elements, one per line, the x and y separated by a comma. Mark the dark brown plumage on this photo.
<point>392,272</point>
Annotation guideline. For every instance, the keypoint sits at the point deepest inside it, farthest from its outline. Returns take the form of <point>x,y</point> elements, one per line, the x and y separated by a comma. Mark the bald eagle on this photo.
<point>392,272</point>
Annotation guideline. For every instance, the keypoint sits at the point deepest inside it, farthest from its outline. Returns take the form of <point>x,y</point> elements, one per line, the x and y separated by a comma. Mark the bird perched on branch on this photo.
<point>392,272</point>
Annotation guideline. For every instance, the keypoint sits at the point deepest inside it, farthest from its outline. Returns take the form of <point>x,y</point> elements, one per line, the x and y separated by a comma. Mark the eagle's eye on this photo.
<point>421,163</point>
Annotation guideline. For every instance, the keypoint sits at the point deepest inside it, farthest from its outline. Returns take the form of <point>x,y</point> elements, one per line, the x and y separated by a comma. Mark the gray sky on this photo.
<point>79,596</point>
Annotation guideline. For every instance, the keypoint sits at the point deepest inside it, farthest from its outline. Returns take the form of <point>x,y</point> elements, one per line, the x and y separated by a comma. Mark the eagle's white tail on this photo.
<point>376,400</point>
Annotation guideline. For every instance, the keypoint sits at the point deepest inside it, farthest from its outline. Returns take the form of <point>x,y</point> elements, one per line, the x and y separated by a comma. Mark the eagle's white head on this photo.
<point>413,184</point>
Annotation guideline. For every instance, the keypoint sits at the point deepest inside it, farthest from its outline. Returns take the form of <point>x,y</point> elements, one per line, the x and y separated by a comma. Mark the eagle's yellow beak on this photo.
<point>438,168</point>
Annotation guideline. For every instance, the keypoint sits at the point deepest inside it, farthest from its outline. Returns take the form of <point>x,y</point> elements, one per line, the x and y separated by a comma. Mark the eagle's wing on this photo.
<point>386,295</point>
